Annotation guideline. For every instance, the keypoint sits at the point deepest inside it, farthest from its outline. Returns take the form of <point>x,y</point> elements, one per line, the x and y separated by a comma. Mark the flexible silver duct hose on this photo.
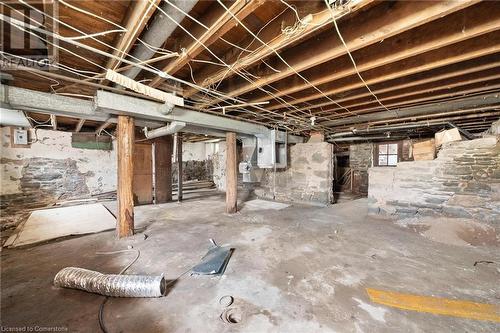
<point>110,284</point>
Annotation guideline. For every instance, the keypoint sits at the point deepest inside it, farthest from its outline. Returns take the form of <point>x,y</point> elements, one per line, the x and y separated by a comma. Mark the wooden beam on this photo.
<point>102,127</point>
<point>138,17</point>
<point>79,125</point>
<point>379,23</point>
<point>53,121</point>
<point>125,147</point>
<point>442,73</point>
<point>276,42</point>
<point>240,9</point>
<point>163,169</point>
<point>180,173</point>
<point>451,116</point>
<point>231,174</point>
<point>468,50</point>
<point>419,41</point>
<point>443,94</point>
<point>426,89</point>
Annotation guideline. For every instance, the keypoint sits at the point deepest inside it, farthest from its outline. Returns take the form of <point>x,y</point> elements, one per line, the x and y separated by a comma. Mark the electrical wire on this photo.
<point>281,58</point>
<point>101,307</point>
<point>213,54</point>
<point>165,75</point>
<point>352,58</point>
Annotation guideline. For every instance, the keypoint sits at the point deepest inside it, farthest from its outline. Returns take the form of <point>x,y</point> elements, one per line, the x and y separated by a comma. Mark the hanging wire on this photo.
<point>352,59</point>
<point>213,54</point>
<point>281,58</point>
<point>20,25</point>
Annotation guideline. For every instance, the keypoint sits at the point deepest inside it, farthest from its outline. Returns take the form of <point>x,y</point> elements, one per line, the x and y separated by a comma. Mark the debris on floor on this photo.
<point>47,224</point>
<point>215,261</point>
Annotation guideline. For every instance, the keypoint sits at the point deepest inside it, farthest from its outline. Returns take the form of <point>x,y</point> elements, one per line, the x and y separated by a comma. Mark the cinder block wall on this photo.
<point>463,181</point>
<point>308,177</point>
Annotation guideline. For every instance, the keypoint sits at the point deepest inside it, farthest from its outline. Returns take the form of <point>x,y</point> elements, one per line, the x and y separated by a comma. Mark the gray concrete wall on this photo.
<point>308,177</point>
<point>463,181</point>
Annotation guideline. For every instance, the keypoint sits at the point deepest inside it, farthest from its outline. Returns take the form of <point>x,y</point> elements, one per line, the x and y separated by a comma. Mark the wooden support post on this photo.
<point>163,169</point>
<point>125,143</point>
<point>231,174</point>
<point>178,142</point>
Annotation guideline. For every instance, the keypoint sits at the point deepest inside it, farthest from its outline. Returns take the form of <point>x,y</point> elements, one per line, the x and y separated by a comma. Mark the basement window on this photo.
<point>387,154</point>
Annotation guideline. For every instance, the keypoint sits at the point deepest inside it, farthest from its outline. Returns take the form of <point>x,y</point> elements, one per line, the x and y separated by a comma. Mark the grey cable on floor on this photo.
<point>101,307</point>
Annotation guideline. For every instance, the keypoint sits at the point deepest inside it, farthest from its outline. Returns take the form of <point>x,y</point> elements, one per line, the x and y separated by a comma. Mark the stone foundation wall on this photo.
<point>203,161</point>
<point>308,177</point>
<point>360,160</point>
<point>463,181</point>
<point>48,171</point>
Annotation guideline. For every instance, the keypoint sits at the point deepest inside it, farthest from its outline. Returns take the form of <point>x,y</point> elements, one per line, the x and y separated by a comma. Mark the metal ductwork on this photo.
<point>171,128</point>
<point>114,285</point>
<point>13,118</point>
<point>160,29</point>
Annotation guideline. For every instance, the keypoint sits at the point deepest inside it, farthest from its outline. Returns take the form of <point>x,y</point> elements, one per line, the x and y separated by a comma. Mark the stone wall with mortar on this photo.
<point>360,160</point>
<point>463,181</point>
<point>308,177</point>
<point>50,170</point>
<point>203,161</point>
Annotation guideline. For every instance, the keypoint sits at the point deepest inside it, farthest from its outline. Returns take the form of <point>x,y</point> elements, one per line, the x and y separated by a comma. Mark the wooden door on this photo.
<point>143,173</point>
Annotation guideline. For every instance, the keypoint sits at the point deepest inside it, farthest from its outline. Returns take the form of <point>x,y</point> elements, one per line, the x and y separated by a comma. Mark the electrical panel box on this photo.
<point>20,136</point>
<point>271,150</point>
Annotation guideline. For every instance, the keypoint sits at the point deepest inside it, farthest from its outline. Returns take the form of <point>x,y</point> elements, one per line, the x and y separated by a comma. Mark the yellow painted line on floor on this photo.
<point>436,305</point>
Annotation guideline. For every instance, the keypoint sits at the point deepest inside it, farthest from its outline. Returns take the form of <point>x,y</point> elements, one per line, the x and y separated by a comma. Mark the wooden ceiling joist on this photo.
<point>425,39</point>
<point>276,43</point>
<point>240,9</point>
<point>446,84</point>
<point>379,23</point>
<point>463,51</point>
<point>79,125</point>
<point>443,94</point>
<point>442,73</point>
<point>137,19</point>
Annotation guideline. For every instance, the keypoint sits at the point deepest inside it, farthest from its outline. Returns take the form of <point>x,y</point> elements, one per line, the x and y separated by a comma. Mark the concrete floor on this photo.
<point>301,269</point>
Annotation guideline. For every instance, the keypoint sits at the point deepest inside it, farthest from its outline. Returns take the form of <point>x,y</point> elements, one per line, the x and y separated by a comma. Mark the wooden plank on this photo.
<point>143,173</point>
<point>125,147</point>
<point>446,72</point>
<point>381,22</point>
<point>163,147</point>
<point>231,174</point>
<point>52,223</point>
<point>180,173</point>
